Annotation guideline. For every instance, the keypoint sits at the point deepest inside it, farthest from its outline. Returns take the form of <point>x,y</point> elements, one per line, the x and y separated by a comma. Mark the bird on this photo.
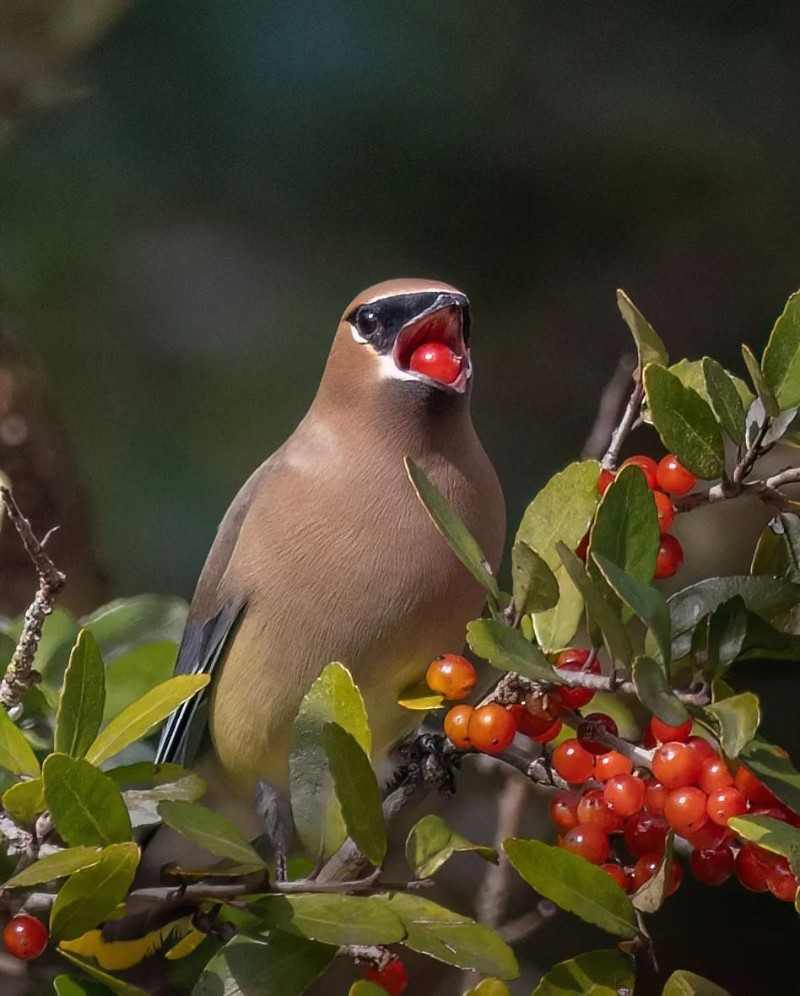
<point>326,552</point>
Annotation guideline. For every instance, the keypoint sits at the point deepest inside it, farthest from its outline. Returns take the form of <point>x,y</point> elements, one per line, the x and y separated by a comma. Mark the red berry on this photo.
<point>781,881</point>
<point>587,840</point>
<point>491,728</point>
<point>437,361</point>
<point>456,725</point>
<point>752,788</point>
<point>625,794</point>
<point>572,762</point>
<point>593,808</point>
<point>665,734</point>
<point>451,676</point>
<point>590,728</point>
<point>685,809</point>
<point>573,698</point>
<point>774,812</point>
<point>618,873</point>
<point>549,734</point>
<point>25,937</point>
<point>752,867</point>
<point>646,867</point>
<point>605,480</point>
<point>645,832</point>
<point>713,865</point>
<point>676,765</point>
<point>665,511</point>
<point>542,710</point>
<point>725,803</point>
<point>673,477</point>
<point>582,548</point>
<point>714,775</point>
<point>564,809</point>
<point>670,557</point>
<point>710,835</point>
<point>646,464</point>
<point>656,796</point>
<point>610,764</point>
<point>575,659</point>
<point>393,977</point>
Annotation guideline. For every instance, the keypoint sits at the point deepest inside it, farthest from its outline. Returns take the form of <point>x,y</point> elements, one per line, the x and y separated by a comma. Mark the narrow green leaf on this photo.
<point>83,695</point>
<point>727,632</point>
<point>775,770</point>
<point>84,803</point>
<point>654,692</point>
<point>144,715</point>
<point>146,775</point>
<point>117,986</point>
<point>649,898</point>
<point>332,919</point>
<point>574,884</point>
<point>67,985</point>
<point>332,698</point>
<point>685,422</point>
<point>16,754</point>
<point>773,835</point>
<point>358,792</point>
<point>274,964</point>
<point>683,983</point>
<point>737,718</point>
<point>460,539</point>
<point>431,842</point>
<point>508,650</point>
<point>759,383</point>
<point>24,801</point>
<point>642,599</point>
<point>595,973</point>
<point>209,830</point>
<point>726,402</point>
<point>419,698</point>
<point>54,866</point>
<point>91,894</point>
<point>535,585</point>
<point>625,529</point>
<point>781,361</point>
<point>648,343</point>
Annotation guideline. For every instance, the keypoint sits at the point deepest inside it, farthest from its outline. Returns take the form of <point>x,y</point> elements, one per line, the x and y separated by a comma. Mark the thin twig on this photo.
<point>628,421</point>
<point>601,432</point>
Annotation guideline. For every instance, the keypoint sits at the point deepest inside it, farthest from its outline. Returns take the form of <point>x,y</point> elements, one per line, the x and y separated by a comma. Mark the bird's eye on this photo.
<point>367,322</point>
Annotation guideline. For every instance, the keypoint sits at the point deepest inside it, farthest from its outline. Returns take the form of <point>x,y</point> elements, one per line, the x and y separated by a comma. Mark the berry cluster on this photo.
<point>666,479</point>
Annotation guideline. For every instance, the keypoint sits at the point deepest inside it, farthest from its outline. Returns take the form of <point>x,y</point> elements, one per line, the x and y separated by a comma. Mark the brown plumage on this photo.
<point>326,553</point>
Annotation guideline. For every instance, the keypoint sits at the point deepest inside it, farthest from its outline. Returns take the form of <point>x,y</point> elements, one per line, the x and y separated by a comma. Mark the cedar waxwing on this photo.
<point>327,554</point>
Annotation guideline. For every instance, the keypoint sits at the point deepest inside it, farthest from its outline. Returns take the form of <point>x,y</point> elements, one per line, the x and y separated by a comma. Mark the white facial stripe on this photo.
<point>358,338</point>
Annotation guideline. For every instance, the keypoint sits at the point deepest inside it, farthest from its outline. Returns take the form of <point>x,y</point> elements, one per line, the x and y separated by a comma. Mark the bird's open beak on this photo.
<point>445,322</point>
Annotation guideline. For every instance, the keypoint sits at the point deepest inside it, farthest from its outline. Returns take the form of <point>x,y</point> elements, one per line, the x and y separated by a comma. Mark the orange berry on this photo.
<point>572,762</point>
<point>676,765</point>
<point>451,676</point>
<point>456,725</point>
<point>610,764</point>
<point>673,477</point>
<point>588,841</point>
<point>714,775</point>
<point>665,511</point>
<point>625,794</point>
<point>564,809</point>
<point>685,809</point>
<point>725,803</point>
<point>491,728</point>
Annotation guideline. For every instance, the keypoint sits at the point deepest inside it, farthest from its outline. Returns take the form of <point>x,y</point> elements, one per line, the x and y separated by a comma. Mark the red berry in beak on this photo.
<point>437,361</point>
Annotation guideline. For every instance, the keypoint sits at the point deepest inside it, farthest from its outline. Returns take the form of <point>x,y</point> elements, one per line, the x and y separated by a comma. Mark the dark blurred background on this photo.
<point>176,244</point>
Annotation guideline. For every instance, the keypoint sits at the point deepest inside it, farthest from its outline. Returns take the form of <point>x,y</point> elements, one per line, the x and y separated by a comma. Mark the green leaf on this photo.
<point>574,884</point>
<point>625,529</point>
<point>535,585</point>
<point>358,792</point>
<point>777,552</point>
<point>83,695</point>
<point>67,985</point>
<point>692,374</point>
<point>648,343</point>
<point>595,973</point>
<point>419,698</point>
<point>127,623</point>
<point>274,964</point>
<point>332,919</point>
<point>773,835</point>
<point>683,983</point>
<point>450,937</point>
<point>24,801</point>
<point>685,422</point>
<point>143,803</point>
<point>209,830</point>
<point>91,894</point>
<point>361,987</point>
<point>133,674</point>
<point>146,775</point>
<point>649,898</point>
<point>144,715</point>
<point>601,611</point>
<point>332,698</point>
<point>555,628</point>
<point>432,842</point>
<point>737,719</point>
<point>727,632</point>
<point>781,361</point>
<point>655,694</point>
<point>116,986</point>
<point>460,539</point>
<point>725,400</point>
<point>642,599</point>
<point>489,987</point>
<point>759,383</point>
<point>84,803</point>
<point>54,866</point>
<point>16,754</point>
<point>508,650</point>
<point>775,771</point>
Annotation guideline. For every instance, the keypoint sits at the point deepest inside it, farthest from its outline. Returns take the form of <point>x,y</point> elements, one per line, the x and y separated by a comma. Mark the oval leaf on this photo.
<point>508,650</point>
<point>24,801</point>
<point>143,803</point>
<point>83,696</point>
<point>92,893</point>
<point>272,965</point>
<point>84,803</point>
<point>763,391</point>
<point>209,830</point>
<point>737,719</point>
<point>535,585</point>
<point>54,866</point>
<point>643,600</point>
<point>358,792</point>
<point>332,919</point>
<point>655,694</point>
<point>648,342</point>
<point>725,400</point>
<point>432,842</point>
<point>419,698</point>
<point>16,754</point>
<point>781,362</point>
<point>595,973</point>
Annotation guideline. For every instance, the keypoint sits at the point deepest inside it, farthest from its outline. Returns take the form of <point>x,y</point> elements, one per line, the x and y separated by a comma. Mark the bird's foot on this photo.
<point>430,758</point>
<point>274,809</point>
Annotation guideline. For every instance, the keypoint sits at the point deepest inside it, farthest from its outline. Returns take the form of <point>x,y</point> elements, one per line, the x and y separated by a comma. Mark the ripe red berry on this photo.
<point>665,511</point>
<point>714,775</point>
<point>593,808</point>
<point>564,809</point>
<point>451,676</point>
<point>665,734</point>
<point>676,765</point>
<point>655,796</point>
<point>646,464</point>
<point>549,734</point>
<point>610,764</point>
<point>605,480</point>
<point>436,360</point>
<point>456,725</point>
<point>752,788</point>
<point>582,548</point>
<point>575,659</point>
<point>685,809</point>
<point>673,477</point>
<point>25,937</point>
<point>542,709</point>
<point>491,728</point>
<point>710,835</point>
<point>625,794</point>
<point>701,747</point>
<point>670,557</point>
<point>646,867</point>
<point>781,881</point>
<point>618,873</point>
<point>587,840</point>
<point>393,977</point>
<point>572,762</point>
<point>645,832</point>
<point>725,803</point>
<point>713,865</point>
<point>590,728</point>
<point>752,866</point>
